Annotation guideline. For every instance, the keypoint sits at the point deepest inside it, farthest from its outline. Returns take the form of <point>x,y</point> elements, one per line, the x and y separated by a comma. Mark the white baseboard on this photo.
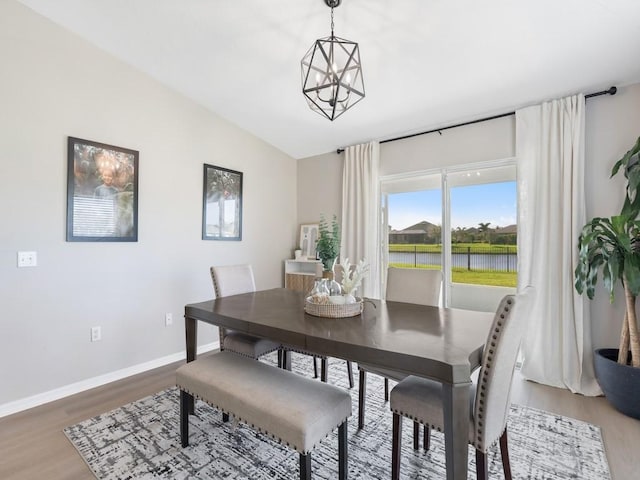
<point>58,393</point>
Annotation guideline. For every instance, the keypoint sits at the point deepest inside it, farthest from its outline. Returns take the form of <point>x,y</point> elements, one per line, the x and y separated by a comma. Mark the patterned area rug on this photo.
<point>142,440</point>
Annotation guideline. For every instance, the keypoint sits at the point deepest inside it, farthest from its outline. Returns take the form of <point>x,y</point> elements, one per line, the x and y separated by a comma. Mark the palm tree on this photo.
<point>483,228</point>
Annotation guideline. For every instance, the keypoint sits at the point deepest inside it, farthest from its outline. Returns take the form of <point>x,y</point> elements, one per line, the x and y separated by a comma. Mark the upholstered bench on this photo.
<point>294,410</point>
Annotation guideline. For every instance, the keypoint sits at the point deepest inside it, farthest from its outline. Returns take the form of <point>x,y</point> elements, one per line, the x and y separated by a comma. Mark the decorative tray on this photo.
<point>333,310</point>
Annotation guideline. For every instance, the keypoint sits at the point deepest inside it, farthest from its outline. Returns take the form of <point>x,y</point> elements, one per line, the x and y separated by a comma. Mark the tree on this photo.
<point>457,235</point>
<point>484,230</point>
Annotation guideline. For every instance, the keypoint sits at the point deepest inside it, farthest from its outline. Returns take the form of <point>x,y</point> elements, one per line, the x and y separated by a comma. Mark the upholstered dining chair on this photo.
<point>234,280</point>
<point>408,285</point>
<point>237,279</point>
<point>420,399</point>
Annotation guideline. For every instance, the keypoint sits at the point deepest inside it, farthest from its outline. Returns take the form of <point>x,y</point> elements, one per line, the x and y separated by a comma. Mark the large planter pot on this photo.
<point>620,383</point>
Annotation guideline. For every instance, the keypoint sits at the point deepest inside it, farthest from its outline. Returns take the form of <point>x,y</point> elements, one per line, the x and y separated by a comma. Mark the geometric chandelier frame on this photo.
<point>332,80</point>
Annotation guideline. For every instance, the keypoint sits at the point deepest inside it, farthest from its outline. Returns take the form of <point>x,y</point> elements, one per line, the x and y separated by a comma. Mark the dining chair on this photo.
<point>420,399</point>
<point>237,279</point>
<point>409,285</point>
<point>234,280</point>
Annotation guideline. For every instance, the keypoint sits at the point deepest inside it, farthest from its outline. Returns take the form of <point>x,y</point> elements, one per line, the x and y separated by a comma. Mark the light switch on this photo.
<point>27,259</point>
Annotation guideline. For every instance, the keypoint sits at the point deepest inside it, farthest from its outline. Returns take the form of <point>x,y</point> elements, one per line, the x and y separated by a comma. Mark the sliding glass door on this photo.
<point>461,221</point>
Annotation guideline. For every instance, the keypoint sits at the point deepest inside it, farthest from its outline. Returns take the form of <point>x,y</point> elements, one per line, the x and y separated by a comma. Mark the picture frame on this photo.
<point>102,192</point>
<point>308,240</point>
<point>221,204</point>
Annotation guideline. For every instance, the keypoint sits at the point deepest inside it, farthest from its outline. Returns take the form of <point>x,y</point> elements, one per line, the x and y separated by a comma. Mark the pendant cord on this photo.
<point>332,21</point>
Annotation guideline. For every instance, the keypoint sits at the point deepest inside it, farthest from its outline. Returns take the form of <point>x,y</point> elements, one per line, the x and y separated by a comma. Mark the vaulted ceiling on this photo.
<point>426,63</point>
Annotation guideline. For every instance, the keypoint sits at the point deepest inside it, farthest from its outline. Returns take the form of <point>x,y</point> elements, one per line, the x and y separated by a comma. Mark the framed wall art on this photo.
<point>221,204</point>
<point>308,240</point>
<point>102,192</point>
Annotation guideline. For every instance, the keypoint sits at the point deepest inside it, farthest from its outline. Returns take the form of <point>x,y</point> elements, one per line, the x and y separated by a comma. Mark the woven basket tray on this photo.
<point>331,310</point>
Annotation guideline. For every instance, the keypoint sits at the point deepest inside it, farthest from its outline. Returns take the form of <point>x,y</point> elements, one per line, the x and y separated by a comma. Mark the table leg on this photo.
<point>456,429</point>
<point>191,334</point>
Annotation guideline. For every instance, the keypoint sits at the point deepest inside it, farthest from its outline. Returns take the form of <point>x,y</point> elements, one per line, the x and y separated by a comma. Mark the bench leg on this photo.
<point>186,401</point>
<point>305,466</point>
<point>225,417</point>
<point>343,456</point>
<point>350,373</point>
<point>315,367</point>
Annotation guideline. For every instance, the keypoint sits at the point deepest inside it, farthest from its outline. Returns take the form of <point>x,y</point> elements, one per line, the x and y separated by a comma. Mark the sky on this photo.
<point>494,203</point>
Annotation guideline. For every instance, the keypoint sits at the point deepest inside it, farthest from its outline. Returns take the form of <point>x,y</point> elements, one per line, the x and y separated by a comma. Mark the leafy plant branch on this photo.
<point>328,246</point>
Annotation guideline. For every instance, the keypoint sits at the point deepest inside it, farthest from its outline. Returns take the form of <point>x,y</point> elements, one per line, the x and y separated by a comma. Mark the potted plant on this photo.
<point>612,246</point>
<point>328,244</point>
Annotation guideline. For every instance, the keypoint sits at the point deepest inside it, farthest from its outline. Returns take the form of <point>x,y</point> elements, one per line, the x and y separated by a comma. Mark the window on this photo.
<point>482,219</point>
<point>462,221</point>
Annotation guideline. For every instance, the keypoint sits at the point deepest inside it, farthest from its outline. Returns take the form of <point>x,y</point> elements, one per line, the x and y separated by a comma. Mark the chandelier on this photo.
<point>331,74</point>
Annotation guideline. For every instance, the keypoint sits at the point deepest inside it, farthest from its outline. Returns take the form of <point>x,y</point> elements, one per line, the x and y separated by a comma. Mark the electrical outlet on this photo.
<point>27,259</point>
<point>96,334</point>
<point>168,319</point>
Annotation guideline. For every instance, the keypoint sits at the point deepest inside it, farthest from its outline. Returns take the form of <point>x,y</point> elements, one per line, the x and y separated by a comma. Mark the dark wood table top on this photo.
<point>440,343</point>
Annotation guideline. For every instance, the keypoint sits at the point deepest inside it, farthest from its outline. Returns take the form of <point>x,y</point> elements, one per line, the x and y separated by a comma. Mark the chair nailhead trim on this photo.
<point>480,399</point>
<point>487,364</point>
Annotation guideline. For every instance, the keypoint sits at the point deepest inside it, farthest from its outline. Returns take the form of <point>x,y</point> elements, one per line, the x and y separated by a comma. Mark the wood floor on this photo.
<point>32,445</point>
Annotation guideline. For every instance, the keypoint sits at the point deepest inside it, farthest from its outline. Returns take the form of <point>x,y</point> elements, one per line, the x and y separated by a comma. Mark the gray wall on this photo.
<point>320,177</point>
<point>54,85</point>
<point>612,126</point>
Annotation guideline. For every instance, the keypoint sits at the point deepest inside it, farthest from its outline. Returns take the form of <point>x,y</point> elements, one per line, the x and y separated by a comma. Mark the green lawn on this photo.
<point>462,275</point>
<point>459,274</point>
<point>496,279</point>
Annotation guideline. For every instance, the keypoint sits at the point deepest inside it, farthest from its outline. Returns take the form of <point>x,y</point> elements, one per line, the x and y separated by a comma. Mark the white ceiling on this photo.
<point>426,63</point>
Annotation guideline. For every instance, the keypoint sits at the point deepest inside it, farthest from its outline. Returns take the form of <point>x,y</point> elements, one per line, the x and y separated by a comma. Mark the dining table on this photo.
<point>442,344</point>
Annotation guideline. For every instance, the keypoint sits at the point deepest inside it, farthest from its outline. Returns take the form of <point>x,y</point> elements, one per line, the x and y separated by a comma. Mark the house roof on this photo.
<point>426,64</point>
<point>508,229</point>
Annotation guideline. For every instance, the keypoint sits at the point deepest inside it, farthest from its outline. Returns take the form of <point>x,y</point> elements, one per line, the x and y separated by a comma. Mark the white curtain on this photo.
<point>551,213</point>
<point>360,212</point>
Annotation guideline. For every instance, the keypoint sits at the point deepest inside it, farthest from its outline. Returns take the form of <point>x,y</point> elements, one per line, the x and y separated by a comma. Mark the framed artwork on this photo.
<point>221,204</point>
<point>102,192</point>
<point>308,240</point>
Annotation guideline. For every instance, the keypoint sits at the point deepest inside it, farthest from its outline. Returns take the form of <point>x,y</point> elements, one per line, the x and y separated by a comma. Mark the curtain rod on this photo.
<point>610,91</point>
